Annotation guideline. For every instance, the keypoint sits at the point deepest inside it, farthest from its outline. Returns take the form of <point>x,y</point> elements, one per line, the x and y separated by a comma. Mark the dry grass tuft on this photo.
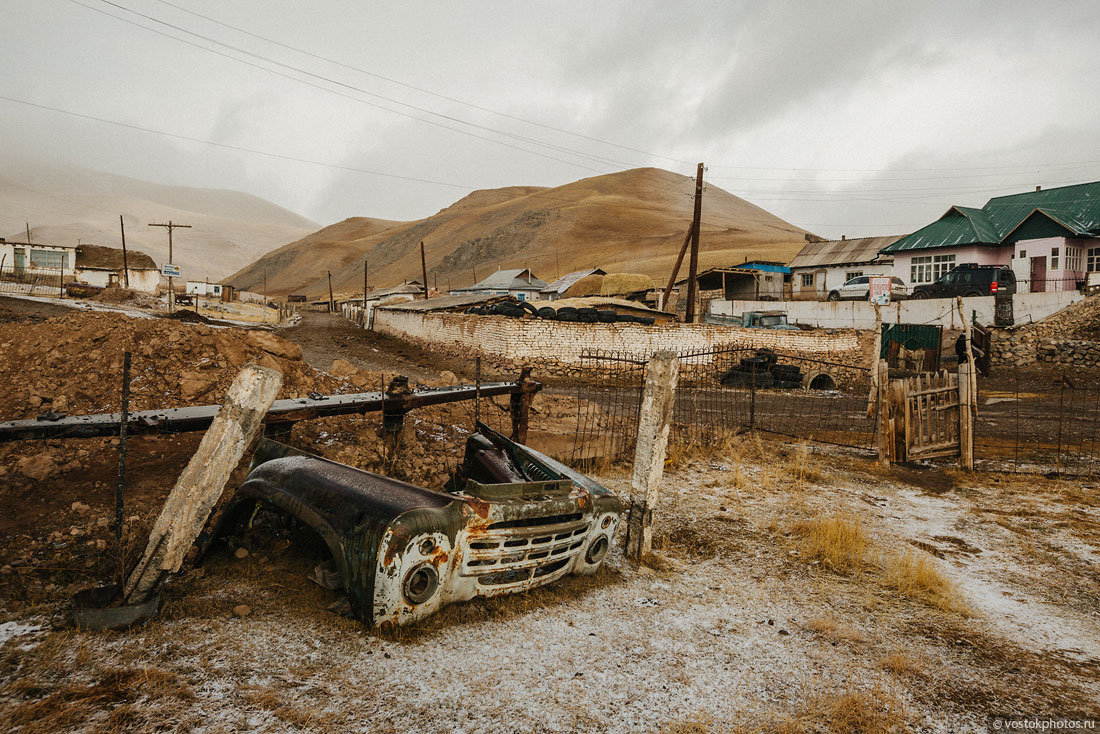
<point>804,467</point>
<point>874,711</point>
<point>830,628</point>
<point>902,664</point>
<point>915,575</point>
<point>694,724</point>
<point>838,542</point>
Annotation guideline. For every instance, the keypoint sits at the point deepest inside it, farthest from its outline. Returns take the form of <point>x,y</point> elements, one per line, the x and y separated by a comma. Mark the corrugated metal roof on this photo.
<point>445,303</point>
<point>522,279</point>
<point>567,281</point>
<point>1075,208</point>
<point>842,252</point>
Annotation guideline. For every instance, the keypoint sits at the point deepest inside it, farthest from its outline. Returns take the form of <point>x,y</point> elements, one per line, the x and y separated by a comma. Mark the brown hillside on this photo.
<point>633,221</point>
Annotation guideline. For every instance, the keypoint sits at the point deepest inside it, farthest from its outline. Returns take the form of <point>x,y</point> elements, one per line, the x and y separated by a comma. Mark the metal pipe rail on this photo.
<point>282,415</point>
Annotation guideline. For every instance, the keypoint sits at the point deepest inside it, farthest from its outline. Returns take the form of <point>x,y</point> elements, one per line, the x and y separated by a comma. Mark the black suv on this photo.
<point>969,280</point>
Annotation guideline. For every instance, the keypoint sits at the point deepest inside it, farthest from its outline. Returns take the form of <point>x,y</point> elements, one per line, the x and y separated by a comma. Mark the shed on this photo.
<point>821,267</point>
<point>103,267</point>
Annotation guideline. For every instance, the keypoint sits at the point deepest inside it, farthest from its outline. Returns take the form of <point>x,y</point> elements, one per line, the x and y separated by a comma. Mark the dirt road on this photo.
<point>326,337</point>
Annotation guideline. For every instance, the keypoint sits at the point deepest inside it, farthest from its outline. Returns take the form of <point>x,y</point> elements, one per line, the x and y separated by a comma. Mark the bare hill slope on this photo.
<point>633,221</point>
<point>65,205</point>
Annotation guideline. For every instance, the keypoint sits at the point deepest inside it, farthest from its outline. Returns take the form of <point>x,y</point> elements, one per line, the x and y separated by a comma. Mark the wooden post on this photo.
<point>885,435</point>
<point>693,260</point>
<point>649,456</point>
<point>876,351</point>
<point>331,301</point>
<point>966,416</point>
<point>969,356</point>
<point>201,484</point>
<point>521,407</point>
<point>675,270</point>
<point>423,270</point>
<point>125,262</point>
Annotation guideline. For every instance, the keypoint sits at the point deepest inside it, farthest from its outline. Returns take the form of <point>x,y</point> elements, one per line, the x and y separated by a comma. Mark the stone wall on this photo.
<point>555,347</point>
<point>1067,338</point>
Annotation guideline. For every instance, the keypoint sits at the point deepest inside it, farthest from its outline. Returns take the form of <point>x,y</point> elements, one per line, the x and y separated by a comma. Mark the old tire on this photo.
<point>606,316</point>
<point>834,296</point>
<point>547,313</point>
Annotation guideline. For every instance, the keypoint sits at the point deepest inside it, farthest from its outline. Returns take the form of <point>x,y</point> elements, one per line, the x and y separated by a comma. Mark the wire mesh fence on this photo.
<point>31,281</point>
<point>1033,422</point>
<point>723,391</point>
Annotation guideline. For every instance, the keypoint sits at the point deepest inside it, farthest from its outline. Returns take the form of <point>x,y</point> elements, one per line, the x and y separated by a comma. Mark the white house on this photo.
<point>103,267</point>
<point>520,284</point>
<point>822,267</point>
<point>18,257</point>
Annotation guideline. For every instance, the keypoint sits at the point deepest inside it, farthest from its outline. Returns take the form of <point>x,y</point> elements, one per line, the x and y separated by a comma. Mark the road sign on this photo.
<point>170,271</point>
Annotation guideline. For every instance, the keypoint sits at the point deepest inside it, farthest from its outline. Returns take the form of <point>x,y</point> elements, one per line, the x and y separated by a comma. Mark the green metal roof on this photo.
<point>1071,211</point>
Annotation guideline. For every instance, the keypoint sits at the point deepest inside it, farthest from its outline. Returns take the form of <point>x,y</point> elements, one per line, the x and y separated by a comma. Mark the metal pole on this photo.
<point>120,492</point>
<point>477,394</point>
<point>331,300</point>
<point>171,280</point>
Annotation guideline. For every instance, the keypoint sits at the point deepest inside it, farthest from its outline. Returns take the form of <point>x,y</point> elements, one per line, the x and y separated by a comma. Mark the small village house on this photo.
<point>216,291</point>
<point>822,267</point>
<point>752,280</point>
<point>520,284</point>
<point>16,258</point>
<point>1050,238</point>
<point>103,267</point>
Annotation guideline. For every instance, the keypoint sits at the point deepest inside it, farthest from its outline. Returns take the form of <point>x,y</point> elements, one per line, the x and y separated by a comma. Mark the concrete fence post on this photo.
<point>201,484</point>
<point>966,416</point>
<point>649,455</point>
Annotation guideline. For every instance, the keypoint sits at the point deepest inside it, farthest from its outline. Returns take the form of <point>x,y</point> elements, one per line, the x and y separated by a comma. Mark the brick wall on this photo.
<point>555,347</point>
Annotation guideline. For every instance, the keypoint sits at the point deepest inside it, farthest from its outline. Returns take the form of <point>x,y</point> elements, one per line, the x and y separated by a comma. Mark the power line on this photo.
<point>549,146</point>
<point>398,82</point>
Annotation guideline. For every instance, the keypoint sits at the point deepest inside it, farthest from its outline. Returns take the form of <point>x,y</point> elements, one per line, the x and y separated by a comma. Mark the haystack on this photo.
<point>586,286</point>
<point>619,284</point>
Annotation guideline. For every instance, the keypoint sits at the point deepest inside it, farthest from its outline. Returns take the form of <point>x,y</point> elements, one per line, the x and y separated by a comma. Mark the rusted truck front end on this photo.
<point>511,519</point>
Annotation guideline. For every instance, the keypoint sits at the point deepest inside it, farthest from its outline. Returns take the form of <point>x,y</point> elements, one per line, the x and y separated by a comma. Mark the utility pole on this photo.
<point>331,300</point>
<point>28,232</point>
<point>364,284</point>
<point>171,278</point>
<point>125,263</point>
<point>265,295</point>
<point>693,263</point>
<point>423,270</point>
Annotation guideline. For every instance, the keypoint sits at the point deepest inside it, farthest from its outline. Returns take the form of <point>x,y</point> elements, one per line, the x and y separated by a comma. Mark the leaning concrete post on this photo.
<point>649,456</point>
<point>966,416</point>
<point>200,485</point>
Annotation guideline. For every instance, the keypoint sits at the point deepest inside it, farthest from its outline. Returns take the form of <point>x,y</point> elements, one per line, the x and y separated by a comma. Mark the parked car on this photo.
<point>969,279</point>
<point>754,320</point>
<point>859,289</point>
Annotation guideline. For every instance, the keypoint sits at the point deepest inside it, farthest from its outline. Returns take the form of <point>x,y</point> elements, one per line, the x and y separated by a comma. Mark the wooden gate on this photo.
<point>931,415</point>
<point>926,417</point>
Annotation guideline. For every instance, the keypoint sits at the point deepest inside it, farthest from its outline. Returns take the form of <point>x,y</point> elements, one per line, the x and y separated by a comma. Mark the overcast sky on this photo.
<point>855,118</point>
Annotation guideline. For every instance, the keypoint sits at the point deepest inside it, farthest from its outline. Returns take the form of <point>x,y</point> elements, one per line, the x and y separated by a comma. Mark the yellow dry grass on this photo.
<point>838,542</point>
<point>914,574</point>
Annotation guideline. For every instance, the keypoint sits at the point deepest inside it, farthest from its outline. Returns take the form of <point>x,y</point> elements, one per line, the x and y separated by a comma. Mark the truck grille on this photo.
<point>524,549</point>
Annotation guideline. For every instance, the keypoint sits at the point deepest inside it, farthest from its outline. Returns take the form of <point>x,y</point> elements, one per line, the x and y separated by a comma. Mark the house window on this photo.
<point>1054,252</point>
<point>920,269</point>
<point>521,296</point>
<point>1093,261</point>
<point>808,279</point>
<point>1023,254</point>
<point>1073,258</point>
<point>853,274</point>
<point>941,264</point>
<point>49,259</point>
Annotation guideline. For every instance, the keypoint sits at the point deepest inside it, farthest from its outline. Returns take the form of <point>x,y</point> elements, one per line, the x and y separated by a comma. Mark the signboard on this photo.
<point>880,290</point>
<point>170,271</point>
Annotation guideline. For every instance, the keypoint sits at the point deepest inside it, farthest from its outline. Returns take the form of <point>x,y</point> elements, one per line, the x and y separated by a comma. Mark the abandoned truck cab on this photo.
<point>512,519</point>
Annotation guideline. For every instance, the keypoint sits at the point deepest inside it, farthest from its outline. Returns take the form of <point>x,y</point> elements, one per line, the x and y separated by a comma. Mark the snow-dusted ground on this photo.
<point>734,631</point>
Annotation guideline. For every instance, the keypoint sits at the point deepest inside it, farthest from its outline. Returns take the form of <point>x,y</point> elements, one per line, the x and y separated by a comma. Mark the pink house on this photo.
<point>1050,238</point>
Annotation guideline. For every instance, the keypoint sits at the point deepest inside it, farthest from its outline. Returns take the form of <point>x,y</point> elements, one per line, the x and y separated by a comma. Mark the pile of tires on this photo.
<point>762,370</point>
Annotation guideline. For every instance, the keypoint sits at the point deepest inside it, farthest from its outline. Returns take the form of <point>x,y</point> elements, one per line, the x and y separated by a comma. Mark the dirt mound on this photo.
<point>127,296</point>
<point>73,364</point>
<point>188,316</point>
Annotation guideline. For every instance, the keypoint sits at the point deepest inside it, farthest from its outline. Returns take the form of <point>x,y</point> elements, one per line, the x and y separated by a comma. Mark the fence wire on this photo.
<point>723,391</point>
<point>1038,422</point>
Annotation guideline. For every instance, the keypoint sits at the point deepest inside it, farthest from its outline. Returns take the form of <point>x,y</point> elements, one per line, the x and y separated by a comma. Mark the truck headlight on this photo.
<point>420,583</point>
<point>597,549</point>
